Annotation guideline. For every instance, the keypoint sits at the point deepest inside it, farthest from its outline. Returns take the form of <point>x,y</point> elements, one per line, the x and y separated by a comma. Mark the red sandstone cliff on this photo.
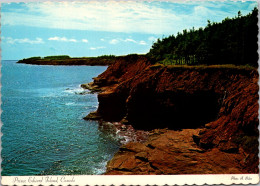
<point>217,106</point>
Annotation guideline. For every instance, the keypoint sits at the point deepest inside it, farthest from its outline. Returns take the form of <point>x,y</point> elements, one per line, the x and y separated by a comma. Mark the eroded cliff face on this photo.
<point>112,103</point>
<point>222,101</point>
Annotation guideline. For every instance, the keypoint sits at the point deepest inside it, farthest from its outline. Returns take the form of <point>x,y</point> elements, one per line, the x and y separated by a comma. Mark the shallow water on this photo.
<point>43,130</point>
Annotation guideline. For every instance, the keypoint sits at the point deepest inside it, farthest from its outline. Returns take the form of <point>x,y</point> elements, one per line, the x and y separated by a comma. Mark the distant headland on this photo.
<point>103,60</point>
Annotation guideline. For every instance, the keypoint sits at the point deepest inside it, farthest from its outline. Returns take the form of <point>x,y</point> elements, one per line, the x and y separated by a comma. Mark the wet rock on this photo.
<point>174,152</point>
<point>92,116</point>
<point>92,87</point>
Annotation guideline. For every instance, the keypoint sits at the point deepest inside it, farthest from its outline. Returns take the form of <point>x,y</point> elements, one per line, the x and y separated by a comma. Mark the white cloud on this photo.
<point>114,41</point>
<point>72,40</point>
<point>84,40</point>
<point>102,39</point>
<point>102,16</point>
<point>64,39</point>
<point>129,40</point>
<point>11,40</point>
<point>54,39</point>
<point>118,40</point>
<point>142,43</point>
<point>120,16</point>
<point>96,48</point>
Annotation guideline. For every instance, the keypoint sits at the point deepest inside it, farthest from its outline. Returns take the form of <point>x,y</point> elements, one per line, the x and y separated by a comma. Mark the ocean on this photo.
<point>43,130</point>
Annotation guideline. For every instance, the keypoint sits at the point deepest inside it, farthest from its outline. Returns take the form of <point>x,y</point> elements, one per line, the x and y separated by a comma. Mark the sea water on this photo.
<point>43,130</point>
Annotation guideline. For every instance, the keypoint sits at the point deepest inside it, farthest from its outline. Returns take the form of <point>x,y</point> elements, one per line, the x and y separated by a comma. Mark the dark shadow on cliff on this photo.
<point>173,110</point>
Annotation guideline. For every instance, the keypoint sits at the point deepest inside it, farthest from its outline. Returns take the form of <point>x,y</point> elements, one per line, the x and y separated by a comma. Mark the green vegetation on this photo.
<point>107,57</point>
<point>67,60</point>
<point>57,57</point>
<point>34,58</point>
<point>201,66</point>
<point>233,41</point>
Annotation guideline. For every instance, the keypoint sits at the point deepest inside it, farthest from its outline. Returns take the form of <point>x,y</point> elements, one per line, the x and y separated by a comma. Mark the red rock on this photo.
<point>174,152</point>
<point>222,98</point>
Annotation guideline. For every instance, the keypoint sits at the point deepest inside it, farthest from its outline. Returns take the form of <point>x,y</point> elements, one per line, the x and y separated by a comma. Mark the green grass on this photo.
<point>230,66</point>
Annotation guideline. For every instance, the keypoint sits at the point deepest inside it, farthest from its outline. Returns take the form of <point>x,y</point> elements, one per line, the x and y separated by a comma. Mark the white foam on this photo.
<point>77,90</point>
<point>101,168</point>
<point>74,104</point>
<point>70,103</point>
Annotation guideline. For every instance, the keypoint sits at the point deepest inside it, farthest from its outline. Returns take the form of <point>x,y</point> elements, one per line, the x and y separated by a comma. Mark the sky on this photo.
<point>94,28</point>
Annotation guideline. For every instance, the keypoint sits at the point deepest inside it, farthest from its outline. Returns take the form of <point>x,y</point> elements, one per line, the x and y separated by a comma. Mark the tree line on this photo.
<point>232,41</point>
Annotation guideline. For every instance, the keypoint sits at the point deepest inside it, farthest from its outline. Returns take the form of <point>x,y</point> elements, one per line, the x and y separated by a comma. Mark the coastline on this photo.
<point>71,61</point>
<point>127,90</point>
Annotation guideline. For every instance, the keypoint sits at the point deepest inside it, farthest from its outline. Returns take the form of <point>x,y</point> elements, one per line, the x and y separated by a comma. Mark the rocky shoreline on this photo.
<point>173,152</point>
<point>210,112</point>
<point>124,133</point>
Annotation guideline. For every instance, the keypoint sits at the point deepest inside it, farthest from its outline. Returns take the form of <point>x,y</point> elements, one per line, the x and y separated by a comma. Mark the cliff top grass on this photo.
<point>224,66</point>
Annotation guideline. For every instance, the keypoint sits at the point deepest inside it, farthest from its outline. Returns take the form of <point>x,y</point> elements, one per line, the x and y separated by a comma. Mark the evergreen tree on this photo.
<point>232,41</point>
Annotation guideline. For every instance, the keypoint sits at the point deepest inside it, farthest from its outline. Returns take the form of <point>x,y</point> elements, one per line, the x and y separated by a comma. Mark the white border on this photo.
<point>133,180</point>
<point>209,179</point>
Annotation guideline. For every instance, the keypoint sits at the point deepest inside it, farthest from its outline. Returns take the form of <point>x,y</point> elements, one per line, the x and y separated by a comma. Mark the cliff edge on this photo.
<point>210,112</point>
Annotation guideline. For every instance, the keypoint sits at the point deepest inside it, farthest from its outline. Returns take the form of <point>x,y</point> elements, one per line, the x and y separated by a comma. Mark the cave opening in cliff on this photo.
<point>174,110</point>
